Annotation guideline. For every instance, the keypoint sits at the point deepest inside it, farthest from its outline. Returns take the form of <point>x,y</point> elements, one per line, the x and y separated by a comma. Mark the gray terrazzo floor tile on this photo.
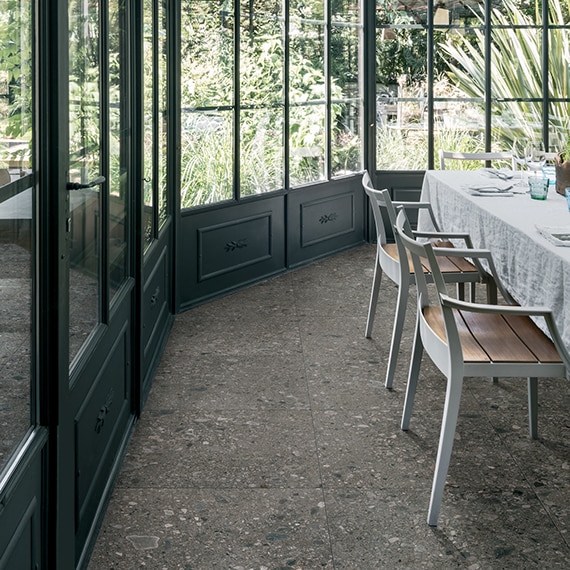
<point>215,529</point>
<point>268,442</point>
<point>222,449</point>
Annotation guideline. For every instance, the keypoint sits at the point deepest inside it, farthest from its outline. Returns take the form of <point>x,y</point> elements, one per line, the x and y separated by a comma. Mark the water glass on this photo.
<point>567,193</point>
<point>538,187</point>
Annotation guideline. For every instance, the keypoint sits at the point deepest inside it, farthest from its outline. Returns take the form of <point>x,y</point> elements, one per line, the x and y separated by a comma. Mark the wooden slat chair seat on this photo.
<point>466,339</point>
<point>456,267</point>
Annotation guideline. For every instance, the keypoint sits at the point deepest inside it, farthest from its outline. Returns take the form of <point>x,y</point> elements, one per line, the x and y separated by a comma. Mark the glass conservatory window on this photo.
<point>270,96</point>
<point>486,84</point>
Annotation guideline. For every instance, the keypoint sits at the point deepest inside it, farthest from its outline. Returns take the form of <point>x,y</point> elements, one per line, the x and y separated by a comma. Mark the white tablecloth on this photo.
<point>534,271</point>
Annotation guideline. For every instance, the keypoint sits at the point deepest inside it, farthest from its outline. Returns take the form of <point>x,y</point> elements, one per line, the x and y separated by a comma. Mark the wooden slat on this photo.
<point>497,338</point>
<point>542,347</point>
<point>472,351</point>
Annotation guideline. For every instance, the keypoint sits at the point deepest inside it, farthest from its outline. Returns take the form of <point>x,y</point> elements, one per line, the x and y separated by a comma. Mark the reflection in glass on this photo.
<point>84,143</point>
<point>16,228</point>
<point>148,127</point>
<point>118,148</point>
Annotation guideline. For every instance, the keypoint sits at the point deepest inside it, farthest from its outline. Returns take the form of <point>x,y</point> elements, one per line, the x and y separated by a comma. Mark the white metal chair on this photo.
<point>466,339</point>
<point>479,156</point>
<point>457,269</point>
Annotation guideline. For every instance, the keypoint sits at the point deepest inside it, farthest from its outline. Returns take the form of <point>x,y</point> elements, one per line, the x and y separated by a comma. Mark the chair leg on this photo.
<point>399,318</point>
<point>449,423</point>
<point>373,297</point>
<point>491,292</point>
<point>460,287</point>
<point>533,407</point>
<point>413,375</point>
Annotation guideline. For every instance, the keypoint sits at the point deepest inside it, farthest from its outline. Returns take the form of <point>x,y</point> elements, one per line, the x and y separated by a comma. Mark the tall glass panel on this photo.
<point>16,225</point>
<point>148,126</point>
<point>207,98</point>
<point>84,167</point>
<point>344,52</point>
<point>162,113</point>
<point>119,132</point>
<point>401,86</point>
<point>261,147</point>
<point>307,94</point>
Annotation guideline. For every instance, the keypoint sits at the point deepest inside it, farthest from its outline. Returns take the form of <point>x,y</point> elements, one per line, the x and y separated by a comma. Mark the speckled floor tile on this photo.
<point>259,381</point>
<point>269,442</point>
<point>215,529</point>
<point>222,449</point>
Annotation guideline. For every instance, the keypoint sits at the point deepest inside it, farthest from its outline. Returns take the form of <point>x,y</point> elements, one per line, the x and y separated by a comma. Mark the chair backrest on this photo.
<point>380,201</point>
<point>479,156</point>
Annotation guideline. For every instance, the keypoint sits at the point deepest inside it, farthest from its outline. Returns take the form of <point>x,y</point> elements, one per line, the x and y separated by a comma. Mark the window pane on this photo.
<point>307,9</point>
<point>16,226</point>
<point>401,97</point>
<point>207,99</point>
<point>118,148</point>
<point>148,127</point>
<point>307,144</point>
<point>346,143</point>
<point>307,64</point>
<point>345,11</point>
<point>84,162</point>
<point>207,157</point>
<point>162,86</point>
<point>261,151</point>
<point>207,53</point>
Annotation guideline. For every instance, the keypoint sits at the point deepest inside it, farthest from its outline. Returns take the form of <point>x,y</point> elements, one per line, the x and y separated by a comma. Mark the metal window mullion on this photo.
<point>367,82</point>
<point>286,98</point>
<point>488,76</point>
<point>155,118</point>
<point>430,83</point>
<point>237,102</point>
<point>328,91</point>
<point>104,160</point>
<point>545,73</point>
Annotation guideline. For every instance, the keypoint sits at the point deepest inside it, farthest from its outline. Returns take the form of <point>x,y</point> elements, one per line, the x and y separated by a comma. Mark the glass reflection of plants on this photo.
<point>83,92</point>
<point>15,84</point>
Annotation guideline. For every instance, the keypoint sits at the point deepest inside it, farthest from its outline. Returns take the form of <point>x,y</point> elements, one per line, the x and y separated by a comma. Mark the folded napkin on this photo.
<point>490,189</point>
<point>559,236</point>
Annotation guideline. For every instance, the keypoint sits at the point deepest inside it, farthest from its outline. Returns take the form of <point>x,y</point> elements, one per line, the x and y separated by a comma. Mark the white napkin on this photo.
<point>559,236</point>
<point>496,188</point>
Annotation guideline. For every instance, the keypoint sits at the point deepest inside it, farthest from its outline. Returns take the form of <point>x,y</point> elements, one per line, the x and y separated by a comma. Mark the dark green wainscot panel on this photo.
<point>22,508</point>
<point>225,248</point>
<point>325,219</point>
<point>100,432</point>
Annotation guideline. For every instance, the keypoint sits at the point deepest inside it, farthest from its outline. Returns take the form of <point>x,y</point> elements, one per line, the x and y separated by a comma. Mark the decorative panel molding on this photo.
<point>99,427</point>
<point>226,247</point>
<point>327,218</point>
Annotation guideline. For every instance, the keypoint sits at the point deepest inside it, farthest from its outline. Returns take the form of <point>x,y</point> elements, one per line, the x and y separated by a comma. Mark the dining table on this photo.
<point>529,239</point>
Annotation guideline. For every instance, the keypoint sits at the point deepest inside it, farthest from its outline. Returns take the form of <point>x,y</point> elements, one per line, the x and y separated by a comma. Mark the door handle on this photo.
<point>79,185</point>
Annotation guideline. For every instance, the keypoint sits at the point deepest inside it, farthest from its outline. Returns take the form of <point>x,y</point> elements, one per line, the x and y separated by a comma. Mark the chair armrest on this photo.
<point>533,311</point>
<point>475,255</point>
<point>445,235</point>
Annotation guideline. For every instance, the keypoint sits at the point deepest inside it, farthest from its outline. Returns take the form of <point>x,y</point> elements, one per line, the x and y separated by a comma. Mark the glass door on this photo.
<point>100,283</point>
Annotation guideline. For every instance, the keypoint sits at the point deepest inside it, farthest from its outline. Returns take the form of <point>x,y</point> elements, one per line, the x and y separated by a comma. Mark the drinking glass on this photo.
<point>535,156</point>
